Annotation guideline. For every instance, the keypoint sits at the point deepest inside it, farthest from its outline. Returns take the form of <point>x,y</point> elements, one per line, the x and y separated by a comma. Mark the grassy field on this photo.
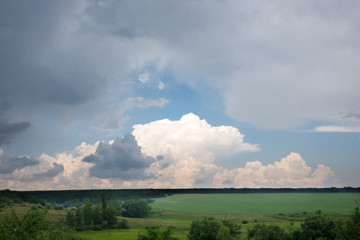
<point>258,203</point>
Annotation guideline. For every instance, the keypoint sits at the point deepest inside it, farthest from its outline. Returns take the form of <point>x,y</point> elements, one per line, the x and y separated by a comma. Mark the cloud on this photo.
<point>114,119</point>
<point>121,159</point>
<point>52,172</point>
<point>8,164</point>
<point>291,171</point>
<point>333,128</point>
<point>161,85</point>
<point>9,130</point>
<point>190,135</point>
<point>161,154</point>
<point>276,64</point>
<point>189,148</point>
<point>144,78</point>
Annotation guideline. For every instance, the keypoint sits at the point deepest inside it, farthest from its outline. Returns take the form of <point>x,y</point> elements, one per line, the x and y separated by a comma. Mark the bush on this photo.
<point>263,232</point>
<point>245,222</point>
<point>206,229</point>
<point>59,207</point>
<point>317,226</point>
<point>136,208</point>
<point>95,227</point>
<point>155,233</point>
<point>123,224</point>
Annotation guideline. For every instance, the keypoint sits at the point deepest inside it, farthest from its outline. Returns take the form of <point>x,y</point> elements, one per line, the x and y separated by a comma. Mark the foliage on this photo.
<point>155,233</point>
<point>264,232</point>
<point>123,224</point>
<point>351,229</point>
<point>205,229</point>
<point>32,227</point>
<point>136,208</point>
<point>89,216</point>
<point>88,212</point>
<point>234,229</point>
<point>317,226</point>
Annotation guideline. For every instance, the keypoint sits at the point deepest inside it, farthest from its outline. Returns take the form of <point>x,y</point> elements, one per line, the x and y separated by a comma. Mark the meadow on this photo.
<point>284,209</point>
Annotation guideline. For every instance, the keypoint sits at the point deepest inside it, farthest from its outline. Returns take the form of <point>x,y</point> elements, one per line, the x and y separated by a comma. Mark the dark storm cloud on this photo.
<point>8,164</point>
<point>122,159</point>
<point>52,172</point>
<point>9,130</point>
<point>26,72</point>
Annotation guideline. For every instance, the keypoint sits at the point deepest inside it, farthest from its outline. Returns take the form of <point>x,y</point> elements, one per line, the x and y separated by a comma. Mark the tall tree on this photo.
<point>103,201</point>
<point>88,212</point>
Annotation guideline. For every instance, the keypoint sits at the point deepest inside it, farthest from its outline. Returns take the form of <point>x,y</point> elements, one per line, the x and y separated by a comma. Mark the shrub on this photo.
<point>136,208</point>
<point>123,224</point>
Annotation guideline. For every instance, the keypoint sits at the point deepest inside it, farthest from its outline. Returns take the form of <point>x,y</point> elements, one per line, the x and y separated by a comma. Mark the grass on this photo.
<point>258,203</point>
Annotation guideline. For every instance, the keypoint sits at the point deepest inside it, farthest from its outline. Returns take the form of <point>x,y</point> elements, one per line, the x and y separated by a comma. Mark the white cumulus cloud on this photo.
<point>291,171</point>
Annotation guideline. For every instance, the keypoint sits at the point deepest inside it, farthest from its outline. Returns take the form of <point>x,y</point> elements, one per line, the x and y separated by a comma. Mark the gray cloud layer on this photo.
<point>278,64</point>
<point>121,159</point>
<point>9,130</point>
<point>8,164</point>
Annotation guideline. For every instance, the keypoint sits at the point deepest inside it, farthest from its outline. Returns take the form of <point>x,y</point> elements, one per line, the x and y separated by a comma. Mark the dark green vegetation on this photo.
<point>33,226</point>
<point>237,216</point>
<point>155,233</point>
<point>138,208</point>
<point>96,217</point>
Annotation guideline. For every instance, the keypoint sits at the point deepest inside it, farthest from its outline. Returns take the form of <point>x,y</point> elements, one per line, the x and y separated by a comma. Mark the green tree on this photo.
<point>9,226</point>
<point>317,226</point>
<point>88,212</point>
<point>70,219</point>
<point>79,217</point>
<point>110,216</point>
<point>136,208</point>
<point>103,202</point>
<point>234,229</point>
<point>351,229</point>
<point>97,215</point>
<point>205,229</point>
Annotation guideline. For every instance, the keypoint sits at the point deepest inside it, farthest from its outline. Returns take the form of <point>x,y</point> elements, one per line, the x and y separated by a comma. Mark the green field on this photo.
<point>257,203</point>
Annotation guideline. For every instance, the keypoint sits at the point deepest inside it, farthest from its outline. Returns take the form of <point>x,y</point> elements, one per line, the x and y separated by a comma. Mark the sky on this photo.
<point>179,94</point>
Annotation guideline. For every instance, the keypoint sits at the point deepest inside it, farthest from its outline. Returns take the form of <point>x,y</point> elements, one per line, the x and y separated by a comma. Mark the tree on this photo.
<point>136,208</point>
<point>79,217</point>
<point>351,229</point>
<point>318,226</point>
<point>97,215</point>
<point>103,202</point>
<point>234,229</point>
<point>263,232</point>
<point>70,219</point>
<point>110,216</point>
<point>88,212</point>
<point>205,229</point>
<point>32,227</point>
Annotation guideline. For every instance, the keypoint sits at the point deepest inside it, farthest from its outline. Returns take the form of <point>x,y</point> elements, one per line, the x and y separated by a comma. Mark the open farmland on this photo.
<point>258,203</point>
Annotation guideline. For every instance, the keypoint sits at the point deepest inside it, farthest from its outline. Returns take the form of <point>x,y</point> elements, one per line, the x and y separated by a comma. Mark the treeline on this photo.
<point>8,197</point>
<point>73,197</point>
